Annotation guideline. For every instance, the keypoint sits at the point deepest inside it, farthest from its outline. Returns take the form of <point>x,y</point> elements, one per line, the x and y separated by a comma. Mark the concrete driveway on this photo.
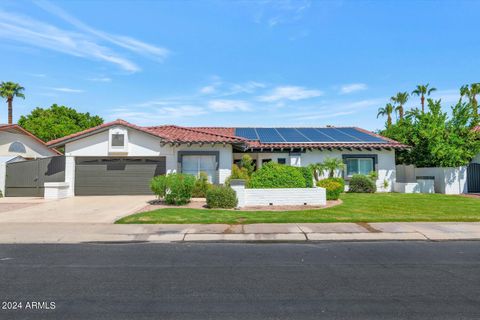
<point>98,209</point>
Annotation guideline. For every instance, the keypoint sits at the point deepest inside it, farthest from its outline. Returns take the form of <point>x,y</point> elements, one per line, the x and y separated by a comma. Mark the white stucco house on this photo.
<point>17,144</point>
<point>120,158</point>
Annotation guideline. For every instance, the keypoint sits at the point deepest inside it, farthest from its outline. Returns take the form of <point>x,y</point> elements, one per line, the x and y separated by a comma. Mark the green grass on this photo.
<point>380,207</point>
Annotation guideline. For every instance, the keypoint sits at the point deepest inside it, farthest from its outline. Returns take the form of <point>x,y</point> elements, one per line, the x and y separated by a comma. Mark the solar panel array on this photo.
<point>307,135</point>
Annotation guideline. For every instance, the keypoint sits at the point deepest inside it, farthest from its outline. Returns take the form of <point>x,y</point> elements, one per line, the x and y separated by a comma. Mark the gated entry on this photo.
<point>473,177</point>
<point>26,178</point>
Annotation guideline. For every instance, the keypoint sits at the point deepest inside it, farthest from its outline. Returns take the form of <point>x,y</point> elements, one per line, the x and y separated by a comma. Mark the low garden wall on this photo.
<point>421,186</point>
<point>446,180</point>
<point>278,196</point>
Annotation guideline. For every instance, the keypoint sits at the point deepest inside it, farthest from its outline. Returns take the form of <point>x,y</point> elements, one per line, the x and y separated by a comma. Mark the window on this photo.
<point>282,161</point>
<point>196,164</point>
<point>17,147</point>
<point>359,166</point>
<point>118,140</point>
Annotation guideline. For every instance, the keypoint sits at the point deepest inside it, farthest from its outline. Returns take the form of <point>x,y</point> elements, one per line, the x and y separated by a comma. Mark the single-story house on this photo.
<point>17,144</point>
<point>120,158</point>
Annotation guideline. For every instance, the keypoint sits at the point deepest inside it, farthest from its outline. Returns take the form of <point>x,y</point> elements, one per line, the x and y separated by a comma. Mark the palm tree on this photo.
<point>401,98</point>
<point>9,90</point>
<point>422,90</point>
<point>331,165</point>
<point>315,167</point>
<point>386,111</point>
<point>471,93</point>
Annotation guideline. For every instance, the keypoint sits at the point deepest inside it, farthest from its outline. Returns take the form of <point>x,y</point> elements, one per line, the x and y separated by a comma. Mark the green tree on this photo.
<point>471,93</point>
<point>400,99</point>
<point>437,140</point>
<point>423,90</point>
<point>10,90</point>
<point>386,111</point>
<point>57,122</point>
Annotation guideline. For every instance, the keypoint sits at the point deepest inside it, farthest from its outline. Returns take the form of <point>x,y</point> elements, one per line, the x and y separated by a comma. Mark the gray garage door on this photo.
<point>116,176</point>
<point>473,177</point>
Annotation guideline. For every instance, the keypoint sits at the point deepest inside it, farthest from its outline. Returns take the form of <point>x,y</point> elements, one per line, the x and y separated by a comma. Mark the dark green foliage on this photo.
<point>274,175</point>
<point>57,122</point>
<point>333,188</point>
<point>221,197</point>
<point>174,188</point>
<point>308,175</point>
<point>201,186</point>
<point>360,183</point>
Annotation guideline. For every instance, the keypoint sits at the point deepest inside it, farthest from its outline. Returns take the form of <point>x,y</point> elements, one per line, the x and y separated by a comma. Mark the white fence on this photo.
<point>278,196</point>
<point>446,180</point>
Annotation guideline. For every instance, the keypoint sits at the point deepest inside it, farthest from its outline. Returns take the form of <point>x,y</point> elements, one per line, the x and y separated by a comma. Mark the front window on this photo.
<point>118,140</point>
<point>195,164</point>
<point>359,166</point>
<point>282,160</point>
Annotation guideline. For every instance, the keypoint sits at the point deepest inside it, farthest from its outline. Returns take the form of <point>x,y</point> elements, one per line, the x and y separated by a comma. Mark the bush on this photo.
<point>333,188</point>
<point>361,184</point>
<point>238,173</point>
<point>201,186</point>
<point>308,175</point>
<point>339,180</point>
<point>274,175</point>
<point>221,197</point>
<point>174,188</point>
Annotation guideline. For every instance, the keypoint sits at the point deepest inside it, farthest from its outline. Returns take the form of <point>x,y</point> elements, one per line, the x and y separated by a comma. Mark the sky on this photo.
<point>236,63</point>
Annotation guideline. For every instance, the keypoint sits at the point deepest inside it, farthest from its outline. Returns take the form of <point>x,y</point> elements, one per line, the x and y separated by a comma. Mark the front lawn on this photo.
<point>379,207</point>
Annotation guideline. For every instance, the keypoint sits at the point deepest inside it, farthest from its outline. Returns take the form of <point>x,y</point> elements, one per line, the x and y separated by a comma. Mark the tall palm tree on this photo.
<point>9,90</point>
<point>471,93</point>
<point>423,90</point>
<point>401,98</point>
<point>386,111</point>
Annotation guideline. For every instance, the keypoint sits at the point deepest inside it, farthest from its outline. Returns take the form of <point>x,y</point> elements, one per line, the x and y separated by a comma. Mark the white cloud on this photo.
<point>290,93</point>
<point>85,41</point>
<point>67,90</point>
<point>208,89</point>
<point>156,116</point>
<point>247,87</point>
<point>324,115</point>
<point>274,13</point>
<point>229,105</point>
<point>353,87</point>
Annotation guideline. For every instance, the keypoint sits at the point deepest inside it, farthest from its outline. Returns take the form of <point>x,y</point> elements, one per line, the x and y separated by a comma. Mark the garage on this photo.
<point>116,175</point>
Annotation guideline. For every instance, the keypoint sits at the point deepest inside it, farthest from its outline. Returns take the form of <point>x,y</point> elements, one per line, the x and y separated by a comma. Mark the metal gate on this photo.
<point>26,178</point>
<point>473,177</point>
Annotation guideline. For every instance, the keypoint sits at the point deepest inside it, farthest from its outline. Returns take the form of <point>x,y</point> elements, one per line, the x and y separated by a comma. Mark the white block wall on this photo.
<point>421,186</point>
<point>56,190</point>
<point>280,196</point>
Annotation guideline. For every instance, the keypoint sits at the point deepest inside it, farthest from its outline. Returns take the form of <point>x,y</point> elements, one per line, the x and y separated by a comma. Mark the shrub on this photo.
<point>361,184</point>
<point>339,180</point>
<point>274,175</point>
<point>238,173</point>
<point>308,175</point>
<point>247,164</point>
<point>221,197</point>
<point>201,186</point>
<point>174,188</point>
<point>333,188</point>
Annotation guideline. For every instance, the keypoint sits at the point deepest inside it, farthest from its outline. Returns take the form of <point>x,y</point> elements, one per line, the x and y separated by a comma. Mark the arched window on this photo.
<point>17,147</point>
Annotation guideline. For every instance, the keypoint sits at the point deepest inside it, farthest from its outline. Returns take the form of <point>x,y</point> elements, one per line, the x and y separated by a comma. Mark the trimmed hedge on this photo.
<point>221,197</point>
<point>361,184</point>
<point>274,175</point>
<point>174,188</point>
<point>333,188</point>
<point>308,175</point>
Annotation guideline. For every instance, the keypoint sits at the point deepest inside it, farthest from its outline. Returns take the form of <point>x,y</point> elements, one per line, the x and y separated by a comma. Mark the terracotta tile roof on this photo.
<point>178,134</point>
<point>476,129</point>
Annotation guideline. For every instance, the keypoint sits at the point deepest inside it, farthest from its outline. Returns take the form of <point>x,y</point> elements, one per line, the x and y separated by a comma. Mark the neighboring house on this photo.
<point>120,158</point>
<point>18,144</point>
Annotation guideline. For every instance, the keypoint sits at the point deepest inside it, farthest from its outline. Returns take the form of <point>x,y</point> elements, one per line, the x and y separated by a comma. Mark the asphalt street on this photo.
<point>336,280</point>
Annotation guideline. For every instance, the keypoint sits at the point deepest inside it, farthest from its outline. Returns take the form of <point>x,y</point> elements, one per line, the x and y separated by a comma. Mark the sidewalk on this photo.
<point>103,232</point>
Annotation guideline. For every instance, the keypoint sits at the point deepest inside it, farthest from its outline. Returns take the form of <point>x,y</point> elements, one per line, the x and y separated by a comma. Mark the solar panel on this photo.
<point>337,135</point>
<point>365,137</point>
<point>269,135</point>
<point>314,135</point>
<point>247,133</point>
<point>292,135</point>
